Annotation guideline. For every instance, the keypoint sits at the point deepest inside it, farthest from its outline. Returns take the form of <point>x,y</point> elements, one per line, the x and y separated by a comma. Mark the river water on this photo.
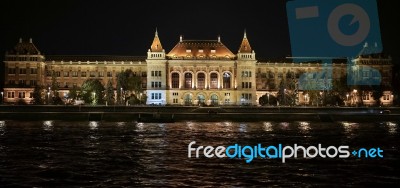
<point>92,154</point>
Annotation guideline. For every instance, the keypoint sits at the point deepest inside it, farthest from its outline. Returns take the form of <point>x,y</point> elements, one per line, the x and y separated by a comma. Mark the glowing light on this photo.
<point>93,125</point>
<point>268,126</point>
<point>304,126</point>
<point>392,127</point>
<point>48,125</point>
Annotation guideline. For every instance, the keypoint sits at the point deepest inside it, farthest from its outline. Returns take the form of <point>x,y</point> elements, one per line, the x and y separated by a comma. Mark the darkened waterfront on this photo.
<point>60,153</point>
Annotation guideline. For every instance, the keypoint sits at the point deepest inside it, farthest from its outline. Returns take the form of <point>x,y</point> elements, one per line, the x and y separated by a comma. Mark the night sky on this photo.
<point>127,27</point>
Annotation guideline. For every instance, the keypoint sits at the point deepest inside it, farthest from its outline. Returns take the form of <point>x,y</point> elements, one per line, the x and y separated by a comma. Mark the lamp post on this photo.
<point>121,94</point>
<point>140,99</point>
<point>347,101</point>
<point>2,98</point>
<point>355,96</point>
<point>94,98</point>
<point>48,97</point>
<point>268,98</point>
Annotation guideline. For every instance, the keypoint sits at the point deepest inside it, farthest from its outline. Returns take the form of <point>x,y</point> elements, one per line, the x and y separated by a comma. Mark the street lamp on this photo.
<point>355,96</point>
<point>94,98</point>
<point>48,97</point>
<point>121,94</point>
<point>2,98</point>
<point>140,99</point>
<point>347,101</point>
<point>268,98</point>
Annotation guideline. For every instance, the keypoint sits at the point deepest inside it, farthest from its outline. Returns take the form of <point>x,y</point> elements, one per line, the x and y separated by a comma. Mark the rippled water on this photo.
<point>59,153</point>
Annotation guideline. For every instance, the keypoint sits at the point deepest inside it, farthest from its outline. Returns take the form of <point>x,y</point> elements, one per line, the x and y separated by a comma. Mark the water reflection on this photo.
<point>121,124</point>
<point>48,125</point>
<point>392,127</point>
<point>93,125</point>
<point>284,125</point>
<point>2,127</point>
<point>268,126</point>
<point>350,128</point>
<point>242,127</point>
<point>304,126</point>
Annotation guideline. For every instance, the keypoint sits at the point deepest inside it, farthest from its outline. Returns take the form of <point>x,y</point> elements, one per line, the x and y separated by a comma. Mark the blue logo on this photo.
<point>325,30</point>
<point>337,28</point>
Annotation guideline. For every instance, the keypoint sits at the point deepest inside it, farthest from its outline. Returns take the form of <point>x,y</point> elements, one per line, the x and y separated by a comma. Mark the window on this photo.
<point>386,97</point>
<point>156,96</point>
<point>83,74</point>
<point>246,74</point>
<point>201,80</point>
<point>33,70</point>
<point>11,82</point>
<point>21,95</point>
<point>101,74</point>
<point>200,50</point>
<point>188,50</point>
<point>156,73</point>
<point>175,80</point>
<point>74,73</point>
<point>226,80</point>
<point>365,74</point>
<point>10,94</point>
<point>174,94</point>
<point>144,74</point>
<point>92,74</point>
<point>246,98</point>
<point>214,80</point>
<point>22,71</point>
<point>175,101</point>
<point>58,73</point>
<point>212,50</point>
<point>246,85</point>
<point>33,82</point>
<point>11,70</point>
<point>31,95</point>
<point>109,74</point>
<point>156,84</point>
<point>66,74</point>
<point>22,82</point>
<point>188,80</point>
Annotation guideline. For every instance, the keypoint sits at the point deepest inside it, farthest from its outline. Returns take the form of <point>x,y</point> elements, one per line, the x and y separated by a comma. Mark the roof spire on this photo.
<point>156,45</point>
<point>245,46</point>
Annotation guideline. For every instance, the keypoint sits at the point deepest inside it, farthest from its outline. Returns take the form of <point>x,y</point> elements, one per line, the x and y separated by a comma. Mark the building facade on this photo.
<point>194,72</point>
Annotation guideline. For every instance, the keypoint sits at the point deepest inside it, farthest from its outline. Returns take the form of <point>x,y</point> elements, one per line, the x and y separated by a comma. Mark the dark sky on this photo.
<point>127,27</point>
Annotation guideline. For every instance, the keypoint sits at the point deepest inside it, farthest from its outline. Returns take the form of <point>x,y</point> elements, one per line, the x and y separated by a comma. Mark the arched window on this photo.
<point>201,80</point>
<point>227,80</point>
<point>175,80</point>
<point>214,99</point>
<point>188,99</point>
<point>201,99</point>
<point>188,80</point>
<point>214,81</point>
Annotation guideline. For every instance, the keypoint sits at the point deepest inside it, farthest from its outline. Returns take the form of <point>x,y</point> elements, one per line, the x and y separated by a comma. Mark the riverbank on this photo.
<point>182,113</point>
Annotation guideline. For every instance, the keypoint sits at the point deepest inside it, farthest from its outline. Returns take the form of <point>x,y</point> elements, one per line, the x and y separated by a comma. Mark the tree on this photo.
<point>73,92</point>
<point>92,91</point>
<point>37,95</point>
<point>109,95</point>
<point>377,93</point>
<point>128,83</point>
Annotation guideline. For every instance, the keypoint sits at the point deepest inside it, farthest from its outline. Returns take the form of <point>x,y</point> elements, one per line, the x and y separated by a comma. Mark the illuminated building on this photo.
<point>194,72</point>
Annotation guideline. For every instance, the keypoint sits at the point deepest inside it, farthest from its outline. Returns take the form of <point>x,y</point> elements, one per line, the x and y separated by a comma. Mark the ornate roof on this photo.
<point>245,46</point>
<point>199,49</point>
<point>156,45</point>
<point>24,48</point>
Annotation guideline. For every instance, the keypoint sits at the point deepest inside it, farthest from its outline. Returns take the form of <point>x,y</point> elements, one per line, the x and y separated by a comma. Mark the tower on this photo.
<point>246,73</point>
<point>156,73</point>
